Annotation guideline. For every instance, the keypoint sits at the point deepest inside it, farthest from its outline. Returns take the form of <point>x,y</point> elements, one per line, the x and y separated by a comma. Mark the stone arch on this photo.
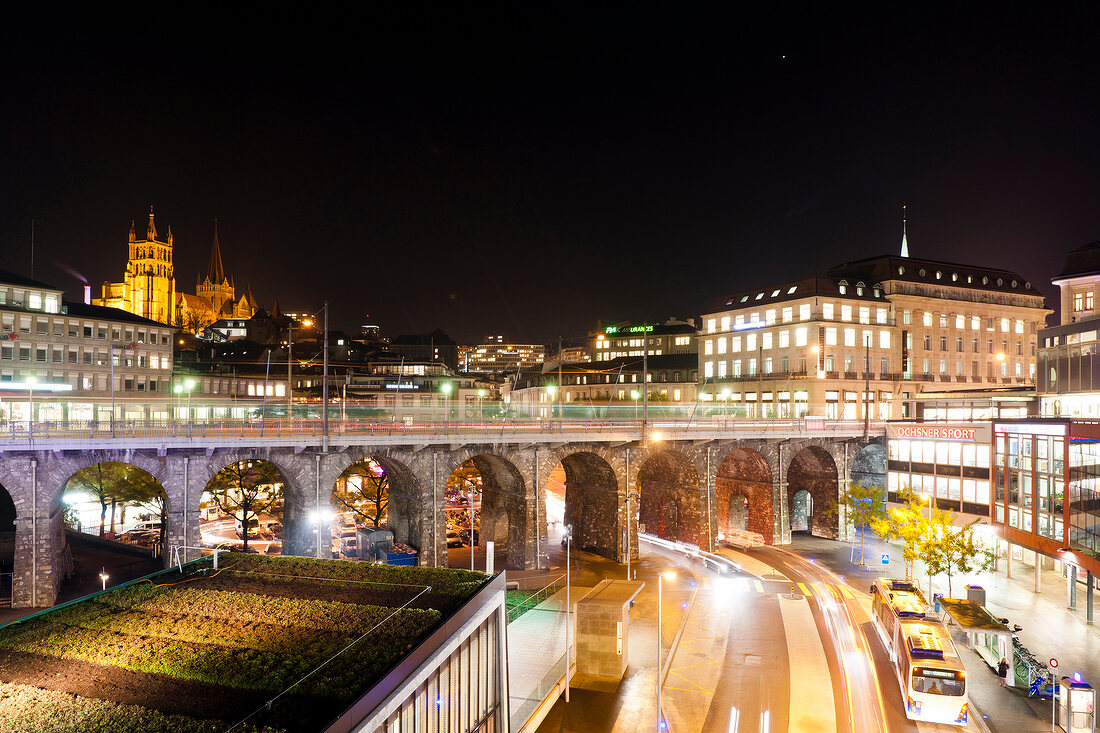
<point>592,503</point>
<point>745,473</point>
<point>671,504</point>
<point>302,533</point>
<point>504,503</point>
<point>814,471</point>
<point>869,465</point>
<point>7,545</point>
<point>405,495</point>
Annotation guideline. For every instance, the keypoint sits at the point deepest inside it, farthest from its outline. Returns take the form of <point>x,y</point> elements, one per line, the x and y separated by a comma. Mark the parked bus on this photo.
<point>927,664</point>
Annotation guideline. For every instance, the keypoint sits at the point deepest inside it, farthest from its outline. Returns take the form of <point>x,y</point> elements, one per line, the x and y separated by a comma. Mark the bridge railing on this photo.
<point>14,433</point>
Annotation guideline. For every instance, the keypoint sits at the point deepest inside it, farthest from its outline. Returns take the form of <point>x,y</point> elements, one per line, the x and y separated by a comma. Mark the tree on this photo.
<point>905,524</point>
<point>245,489</point>
<point>100,480</point>
<point>946,550</point>
<point>863,505</point>
<point>364,489</point>
<point>140,488</point>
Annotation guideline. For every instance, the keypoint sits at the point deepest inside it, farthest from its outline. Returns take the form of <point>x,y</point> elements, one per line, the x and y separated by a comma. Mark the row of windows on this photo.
<point>944,452</point>
<point>45,353</point>
<point>35,300</point>
<point>75,329</point>
<point>866,315</point>
<point>974,491</point>
<point>992,368</point>
<point>975,345</point>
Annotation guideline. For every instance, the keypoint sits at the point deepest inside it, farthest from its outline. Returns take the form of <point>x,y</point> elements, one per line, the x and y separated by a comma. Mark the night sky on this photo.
<point>531,171</point>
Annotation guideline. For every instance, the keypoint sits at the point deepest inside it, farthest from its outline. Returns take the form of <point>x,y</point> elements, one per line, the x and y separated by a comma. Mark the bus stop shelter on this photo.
<point>985,633</point>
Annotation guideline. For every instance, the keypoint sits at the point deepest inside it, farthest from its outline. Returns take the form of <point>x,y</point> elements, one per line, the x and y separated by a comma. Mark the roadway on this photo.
<point>784,645</point>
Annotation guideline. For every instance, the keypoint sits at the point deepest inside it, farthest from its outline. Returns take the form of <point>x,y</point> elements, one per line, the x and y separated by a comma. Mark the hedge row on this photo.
<point>247,607</point>
<point>446,581</point>
<point>27,709</point>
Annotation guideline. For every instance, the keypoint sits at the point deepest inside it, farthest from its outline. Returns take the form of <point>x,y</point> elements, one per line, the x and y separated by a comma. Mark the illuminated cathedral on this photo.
<point>148,287</point>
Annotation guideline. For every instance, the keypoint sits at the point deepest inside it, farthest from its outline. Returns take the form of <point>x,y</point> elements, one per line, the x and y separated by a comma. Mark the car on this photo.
<point>454,539</point>
<point>464,533</point>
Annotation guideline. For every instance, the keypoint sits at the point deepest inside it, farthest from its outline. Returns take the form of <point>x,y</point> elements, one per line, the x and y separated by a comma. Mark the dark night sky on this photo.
<point>533,171</point>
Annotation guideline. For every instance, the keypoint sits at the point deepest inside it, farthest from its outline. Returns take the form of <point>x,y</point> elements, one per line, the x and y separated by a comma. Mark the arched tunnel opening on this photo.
<point>743,494</point>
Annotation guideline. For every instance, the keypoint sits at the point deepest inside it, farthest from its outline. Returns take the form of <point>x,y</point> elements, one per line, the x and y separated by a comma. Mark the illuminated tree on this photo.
<point>947,551</point>
<point>904,524</point>
<point>101,480</point>
<point>863,505</point>
<point>246,489</point>
<point>364,489</point>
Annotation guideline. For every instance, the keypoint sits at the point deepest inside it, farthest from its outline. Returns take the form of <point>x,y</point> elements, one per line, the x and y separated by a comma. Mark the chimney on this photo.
<point>87,295</point>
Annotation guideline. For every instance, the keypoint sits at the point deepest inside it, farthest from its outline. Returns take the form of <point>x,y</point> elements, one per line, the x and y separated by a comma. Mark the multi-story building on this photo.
<point>53,347</point>
<point>628,339</point>
<point>611,388</point>
<point>497,356</point>
<point>434,346</point>
<point>866,336</point>
<point>1068,380</point>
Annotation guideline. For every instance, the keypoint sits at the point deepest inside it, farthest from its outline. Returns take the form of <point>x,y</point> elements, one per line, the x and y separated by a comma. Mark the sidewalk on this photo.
<point>1049,628</point>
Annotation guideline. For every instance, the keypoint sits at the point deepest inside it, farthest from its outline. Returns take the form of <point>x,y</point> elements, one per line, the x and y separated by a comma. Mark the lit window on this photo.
<point>800,337</point>
<point>721,369</point>
<point>788,314</point>
<point>864,314</point>
<point>804,312</point>
<point>769,316</point>
<point>884,339</point>
<point>880,316</point>
<point>710,325</point>
<point>708,368</point>
<point>1004,325</point>
<point>849,337</point>
<point>1019,326</point>
<point>739,321</point>
<point>725,323</point>
<point>750,342</point>
<point>708,347</point>
<point>766,340</point>
<point>927,319</point>
<point>960,321</point>
<point>791,289</point>
<point>975,323</point>
<point>722,345</point>
<point>845,312</point>
<point>830,337</point>
<point>784,339</point>
<point>827,311</point>
<point>735,344</point>
<point>1088,300</point>
<point>775,293</point>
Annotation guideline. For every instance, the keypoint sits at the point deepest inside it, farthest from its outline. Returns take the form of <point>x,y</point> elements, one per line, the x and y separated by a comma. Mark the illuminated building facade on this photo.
<point>56,356</point>
<point>628,339</point>
<point>949,463</point>
<point>868,335</point>
<point>497,356</point>
<point>148,287</point>
<point>1069,368</point>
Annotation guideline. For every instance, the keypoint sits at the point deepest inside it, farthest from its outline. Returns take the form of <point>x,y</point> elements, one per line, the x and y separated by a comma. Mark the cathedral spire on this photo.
<point>133,234</point>
<point>215,273</point>
<point>904,243</point>
<point>151,228</point>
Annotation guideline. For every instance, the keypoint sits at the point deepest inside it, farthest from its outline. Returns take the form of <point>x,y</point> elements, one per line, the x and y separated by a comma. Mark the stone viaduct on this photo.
<point>688,486</point>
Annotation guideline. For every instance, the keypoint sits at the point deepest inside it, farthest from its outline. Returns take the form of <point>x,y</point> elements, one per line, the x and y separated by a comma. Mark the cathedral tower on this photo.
<point>216,287</point>
<point>148,288</point>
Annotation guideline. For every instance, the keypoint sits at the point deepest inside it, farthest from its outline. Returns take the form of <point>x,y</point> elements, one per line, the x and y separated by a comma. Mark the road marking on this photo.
<point>805,591</point>
<point>845,591</point>
<point>759,586</point>
<point>811,702</point>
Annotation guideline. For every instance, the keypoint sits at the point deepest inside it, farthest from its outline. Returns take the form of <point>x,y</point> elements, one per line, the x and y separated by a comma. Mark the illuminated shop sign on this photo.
<point>628,329</point>
<point>404,386</point>
<point>747,326</point>
<point>933,432</point>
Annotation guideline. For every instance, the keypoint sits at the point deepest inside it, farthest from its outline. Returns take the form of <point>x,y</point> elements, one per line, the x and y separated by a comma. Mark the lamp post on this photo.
<point>480,409</point>
<point>634,396</point>
<point>725,404</point>
<point>568,607</point>
<point>662,576</point>
<point>103,577</point>
<point>553,391</point>
<point>31,381</point>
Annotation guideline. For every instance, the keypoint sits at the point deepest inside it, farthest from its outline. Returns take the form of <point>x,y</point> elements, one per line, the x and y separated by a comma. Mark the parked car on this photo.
<point>454,539</point>
<point>465,535</point>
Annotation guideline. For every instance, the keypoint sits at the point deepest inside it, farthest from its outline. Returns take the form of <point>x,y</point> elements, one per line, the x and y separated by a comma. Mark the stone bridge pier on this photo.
<point>682,490</point>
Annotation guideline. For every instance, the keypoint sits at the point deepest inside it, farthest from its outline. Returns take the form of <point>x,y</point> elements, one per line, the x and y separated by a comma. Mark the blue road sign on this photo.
<point>542,539</point>
<point>885,559</point>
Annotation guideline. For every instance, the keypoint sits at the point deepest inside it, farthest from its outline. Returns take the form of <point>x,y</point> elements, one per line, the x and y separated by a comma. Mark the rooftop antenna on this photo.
<point>904,243</point>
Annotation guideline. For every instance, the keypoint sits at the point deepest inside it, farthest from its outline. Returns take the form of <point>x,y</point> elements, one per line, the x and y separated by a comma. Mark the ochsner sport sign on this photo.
<point>916,431</point>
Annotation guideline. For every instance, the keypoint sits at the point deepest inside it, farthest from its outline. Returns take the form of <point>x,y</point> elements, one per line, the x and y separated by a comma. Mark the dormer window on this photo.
<point>843,287</point>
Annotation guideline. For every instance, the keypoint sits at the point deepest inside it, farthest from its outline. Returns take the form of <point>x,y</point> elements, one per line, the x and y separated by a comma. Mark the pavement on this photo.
<point>1050,629</point>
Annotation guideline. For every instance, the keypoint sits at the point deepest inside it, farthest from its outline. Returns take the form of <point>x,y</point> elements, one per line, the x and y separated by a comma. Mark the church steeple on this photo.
<point>133,234</point>
<point>215,273</point>
<point>904,243</point>
<point>151,228</point>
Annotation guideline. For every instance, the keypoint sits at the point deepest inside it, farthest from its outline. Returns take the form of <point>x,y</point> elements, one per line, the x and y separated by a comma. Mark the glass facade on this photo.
<point>1030,482</point>
<point>1084,496</point>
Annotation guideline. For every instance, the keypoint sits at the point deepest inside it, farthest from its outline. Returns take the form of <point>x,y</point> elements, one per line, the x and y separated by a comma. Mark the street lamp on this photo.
<point>725,403</point>
<point>552,391</point>
<point>445,388</point>
<point>669,575</point>
<point>634,396</point>
<point>481,411</point>
<point>188,385</point>
<point>103,577</point>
